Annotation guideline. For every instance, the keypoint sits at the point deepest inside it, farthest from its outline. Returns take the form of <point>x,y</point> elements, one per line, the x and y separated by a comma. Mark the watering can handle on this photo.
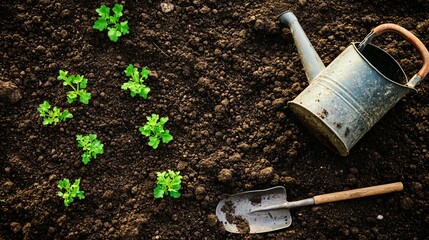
<point>424,54</point>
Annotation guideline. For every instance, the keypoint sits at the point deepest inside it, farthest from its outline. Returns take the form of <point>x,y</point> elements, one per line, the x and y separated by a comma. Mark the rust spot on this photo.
<point>323,114</point>
<point>256,199</point>
<point>346,133</point>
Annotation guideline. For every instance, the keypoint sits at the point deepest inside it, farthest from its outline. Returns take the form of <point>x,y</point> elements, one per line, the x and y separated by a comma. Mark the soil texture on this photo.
<point>222,72</point>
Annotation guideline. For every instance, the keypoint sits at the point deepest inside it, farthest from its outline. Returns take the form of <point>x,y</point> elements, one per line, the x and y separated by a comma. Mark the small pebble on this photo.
<point>16,227</point>
<point>380,217</point>
<point>225,175</point>
<point>167,7</point>
<point>212,220</point>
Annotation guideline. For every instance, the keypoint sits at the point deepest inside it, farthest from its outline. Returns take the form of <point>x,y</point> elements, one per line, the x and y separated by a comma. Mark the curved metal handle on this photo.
<point>424,54</point>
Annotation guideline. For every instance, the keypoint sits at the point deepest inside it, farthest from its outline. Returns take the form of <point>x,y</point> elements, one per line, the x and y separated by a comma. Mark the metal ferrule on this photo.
<point>414,81</point>
<point>367,40</point>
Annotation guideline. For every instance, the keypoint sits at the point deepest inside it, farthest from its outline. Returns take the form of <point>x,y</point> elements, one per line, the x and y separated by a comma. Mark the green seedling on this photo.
<point>135,84</point>
<point>71,191</point>
<point>78,84</point>
<point>105,20</point>
<point>155,130</point>
<point>168,183</point>
<point>91,147</point>
<point>52,116</point>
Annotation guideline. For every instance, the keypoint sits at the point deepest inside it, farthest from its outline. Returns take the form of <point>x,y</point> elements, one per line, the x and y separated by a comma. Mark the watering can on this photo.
<point>346,98</point>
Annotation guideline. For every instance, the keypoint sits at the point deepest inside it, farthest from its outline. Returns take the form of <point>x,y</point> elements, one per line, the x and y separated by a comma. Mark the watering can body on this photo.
<point>346,98</point>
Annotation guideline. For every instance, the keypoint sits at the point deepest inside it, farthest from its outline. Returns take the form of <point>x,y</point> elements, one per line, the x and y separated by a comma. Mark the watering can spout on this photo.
<point>310,60</point>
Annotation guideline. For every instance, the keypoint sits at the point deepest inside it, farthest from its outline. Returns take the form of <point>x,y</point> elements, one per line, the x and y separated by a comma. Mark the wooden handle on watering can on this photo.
<point>410,37</point>
<point>358,193</point>
<point>424,54</point>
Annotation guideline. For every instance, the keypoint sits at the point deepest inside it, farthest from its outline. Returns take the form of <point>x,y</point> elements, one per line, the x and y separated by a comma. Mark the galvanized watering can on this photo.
<point>346,98</point>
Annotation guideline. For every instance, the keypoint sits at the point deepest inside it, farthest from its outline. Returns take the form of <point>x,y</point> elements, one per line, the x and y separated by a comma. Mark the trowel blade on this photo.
<point>237,216</point>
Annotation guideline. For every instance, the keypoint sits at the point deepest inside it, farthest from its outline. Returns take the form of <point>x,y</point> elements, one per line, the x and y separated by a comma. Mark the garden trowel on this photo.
<point>268,210</point>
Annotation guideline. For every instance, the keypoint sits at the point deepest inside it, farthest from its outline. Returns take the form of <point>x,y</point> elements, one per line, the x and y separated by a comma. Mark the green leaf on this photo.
<point>145,73</point>
<point>153,142</point>
<point>129,71</point>
<point>169,183</point>
<point>161,175</point>
<point>113,34</point>
<point>42,112</point>
<point>176,187</point>
<point>96,148</point>
<point>79,137</point>
<point>175,194</point>
<point>117,10</point>
<point>71,96</point>
<point>158,192</point>
<point>71,191</point>
<point>166,136</point>
<point>155,130</point>
<point>144,92</point>
<point>123,27</point>
<point>92,136</point>
<point>84,96</point>
<point>76,78</point>
<point>100,24</point>
<point>65,183</point>
<point>47,121</point>
<point>85,159</point>
<point>76,183</point>
<point>64,115</point>
<point>44,108</point>
<point>63,75</point>
<point>114,19</point>
<point>163,120</point>
<point>81,195</point>
<point>83,83</point>
<point>171,173</point>
<point>55,112</point>
<point>135,84</point>
<point>67,114</point>
<point>153,118</point>
<point>176,179</point>
<point>91,146</point>
<point>103,11</point>
<point>125,86</point>
<point>71,79</point>
<point>145,130</point>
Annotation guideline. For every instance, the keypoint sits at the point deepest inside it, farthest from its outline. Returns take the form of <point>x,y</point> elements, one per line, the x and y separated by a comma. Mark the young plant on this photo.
<point>52,116</point>
<point>78,84</point>
<point>105,20</point>
<point>155,130</point>
<point>91,147</point>
<point>168,182</point>
<point>135,84</point>
<point>71,191</point>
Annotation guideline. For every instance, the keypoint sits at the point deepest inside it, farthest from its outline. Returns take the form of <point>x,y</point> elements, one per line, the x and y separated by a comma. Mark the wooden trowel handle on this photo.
<point>358,193</point>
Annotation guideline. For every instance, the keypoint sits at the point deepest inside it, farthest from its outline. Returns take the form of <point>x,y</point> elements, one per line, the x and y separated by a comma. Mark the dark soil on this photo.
<point>223,73</point>
<point>241,223</point>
